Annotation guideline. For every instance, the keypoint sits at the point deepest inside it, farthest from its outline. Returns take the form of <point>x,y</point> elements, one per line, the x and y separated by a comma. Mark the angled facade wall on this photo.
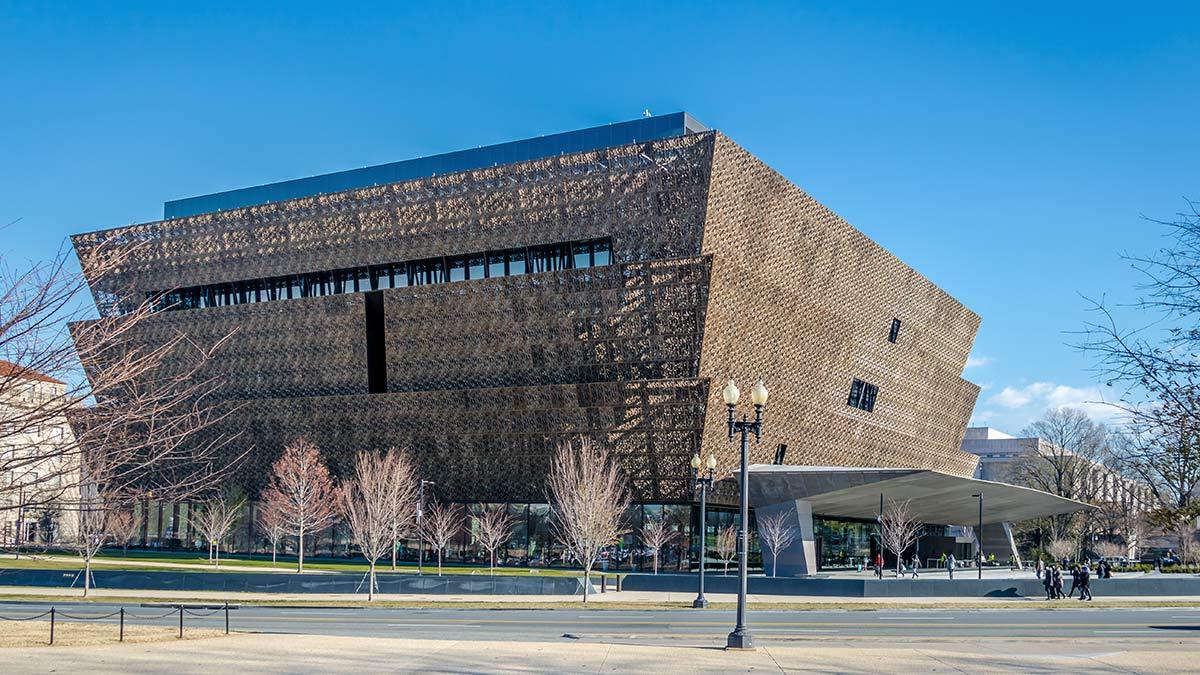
<point>719,268</point>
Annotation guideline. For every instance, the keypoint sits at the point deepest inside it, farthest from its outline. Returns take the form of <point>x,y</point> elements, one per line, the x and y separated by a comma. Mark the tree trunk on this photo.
<point>394,535</point>
<point>656,562</point>
<point>587,574</point>
<point>217,549</point>
<point>371,583</point>
<point>87,575</point>
<point>125,551</point>
<point>774,563</point>
<point>492,560</point>
<point>439,561</point>
<point>300,550</point>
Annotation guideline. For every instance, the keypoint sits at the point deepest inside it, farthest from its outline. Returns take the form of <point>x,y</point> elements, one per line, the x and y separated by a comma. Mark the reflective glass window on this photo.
<point>458,268</point>
<point>475,266</point>
<point>601,252</point>
<point>495,264</point>
<point>516,262</point>
<point>581,254</point>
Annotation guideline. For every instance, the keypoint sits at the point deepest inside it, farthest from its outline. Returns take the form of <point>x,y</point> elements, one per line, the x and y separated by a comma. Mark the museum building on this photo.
<point>479,306</point>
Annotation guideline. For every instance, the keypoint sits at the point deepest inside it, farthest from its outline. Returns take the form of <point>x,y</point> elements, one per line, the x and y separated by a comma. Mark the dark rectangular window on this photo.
<point>862,395</point>
<point>895,330</point>
<point>376,349</point>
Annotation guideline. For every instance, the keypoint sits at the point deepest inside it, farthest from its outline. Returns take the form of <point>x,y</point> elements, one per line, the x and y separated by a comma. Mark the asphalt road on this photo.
<point>638,625</point>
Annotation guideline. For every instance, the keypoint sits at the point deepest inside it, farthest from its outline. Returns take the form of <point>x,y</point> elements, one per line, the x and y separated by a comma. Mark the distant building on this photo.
<point>999,453</point>
<point>36,488</point>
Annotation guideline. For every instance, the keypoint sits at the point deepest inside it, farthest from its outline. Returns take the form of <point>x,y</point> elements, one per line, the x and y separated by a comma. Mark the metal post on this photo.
<point>740,638</point>
<point>181,622</point>
<point>701,602</point>
<point>980,563</point>
<point>51,625</point>
<point>121,637</point>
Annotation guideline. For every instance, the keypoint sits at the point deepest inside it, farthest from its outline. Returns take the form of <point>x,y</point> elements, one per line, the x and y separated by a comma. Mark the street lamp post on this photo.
<point>740,638</point>
<point>979,536</point>
<point>420,514</point>
<point>704,483</point>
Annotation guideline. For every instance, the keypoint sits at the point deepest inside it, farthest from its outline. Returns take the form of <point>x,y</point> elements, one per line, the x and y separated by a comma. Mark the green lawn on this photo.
<point>113,559</point>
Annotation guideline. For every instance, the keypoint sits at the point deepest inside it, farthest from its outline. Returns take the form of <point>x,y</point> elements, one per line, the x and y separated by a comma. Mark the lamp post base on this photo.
<point>700,603</point>
<point>740,639</point>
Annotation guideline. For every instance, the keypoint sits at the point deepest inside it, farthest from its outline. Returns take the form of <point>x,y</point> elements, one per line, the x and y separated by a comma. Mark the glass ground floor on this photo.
<point>530,544</point>
<point>840,543</point>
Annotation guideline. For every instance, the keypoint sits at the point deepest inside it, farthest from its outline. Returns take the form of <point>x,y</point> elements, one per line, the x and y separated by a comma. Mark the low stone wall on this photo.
<point>1148,585</point>
<point>251,582</point>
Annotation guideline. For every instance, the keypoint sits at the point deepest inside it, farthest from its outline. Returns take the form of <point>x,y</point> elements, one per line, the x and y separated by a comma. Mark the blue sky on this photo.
<point>1006,153</point>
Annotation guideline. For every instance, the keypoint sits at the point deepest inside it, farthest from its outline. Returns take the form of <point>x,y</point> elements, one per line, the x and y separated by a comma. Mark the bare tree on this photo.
<point>123,525</point>
<point>140,412</point>
<point>300,483</point>
<point>94,512</point>
<point>1110,549</point>
<point>382,485</point>
<point>493,528</point>
<point>1158,361</point>
<point>217,517</point>
<point>1157,367</point>
<point>1062,549</point>
<point>441,524</point>
<point>1067,461</point>
<point>656,533</point>
<point>270,520</point>
<point>726,546</point>
<point>588,495</point>
<point>899,529</point>
<point>776,533</point>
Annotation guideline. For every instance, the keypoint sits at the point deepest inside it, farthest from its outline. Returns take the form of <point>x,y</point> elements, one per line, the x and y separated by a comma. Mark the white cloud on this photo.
<point>1037,397</point>
<point>978,361</point>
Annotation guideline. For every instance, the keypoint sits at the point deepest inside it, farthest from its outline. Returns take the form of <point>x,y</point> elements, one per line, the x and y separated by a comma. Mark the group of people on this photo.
<point>1081,579</point>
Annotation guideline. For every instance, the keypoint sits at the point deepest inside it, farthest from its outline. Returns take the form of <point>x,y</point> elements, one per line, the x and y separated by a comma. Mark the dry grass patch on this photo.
<point>78,634</point>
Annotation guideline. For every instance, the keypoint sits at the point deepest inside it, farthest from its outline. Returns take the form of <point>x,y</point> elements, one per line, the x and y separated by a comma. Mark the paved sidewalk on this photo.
<point>309,654</point>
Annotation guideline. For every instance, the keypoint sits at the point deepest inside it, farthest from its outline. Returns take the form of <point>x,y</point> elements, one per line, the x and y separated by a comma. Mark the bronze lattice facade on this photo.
<point>715,266</point>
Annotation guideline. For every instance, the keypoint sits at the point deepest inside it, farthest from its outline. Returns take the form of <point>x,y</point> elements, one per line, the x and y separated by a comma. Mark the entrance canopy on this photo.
<point>936,498</point>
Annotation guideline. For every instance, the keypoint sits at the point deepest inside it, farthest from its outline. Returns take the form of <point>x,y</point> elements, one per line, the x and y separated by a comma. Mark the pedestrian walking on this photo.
<point>950,563</point>
<point>1085,583</point>
<point>1040,568</point>
<point>878,564</point>
<point>1058,583</point>
<point>1074,582</point>
<point>1048,582</point>
<point>916,563</point>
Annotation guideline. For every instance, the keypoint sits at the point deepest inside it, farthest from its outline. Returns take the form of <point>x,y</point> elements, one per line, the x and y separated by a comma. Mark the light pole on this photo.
<point>704,483</point>
<point>740,638</point>
<point>979,535</point>
<point>420,514</point>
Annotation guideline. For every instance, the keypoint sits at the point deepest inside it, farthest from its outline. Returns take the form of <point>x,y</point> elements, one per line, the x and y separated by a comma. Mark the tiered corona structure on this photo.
<point>602,282</point>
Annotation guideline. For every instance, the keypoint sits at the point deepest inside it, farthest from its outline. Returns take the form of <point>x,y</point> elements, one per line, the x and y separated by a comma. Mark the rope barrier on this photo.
<point>151,618</point>
<point>178,610</point>
<point>28,618</point>
<point>77,617</point>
